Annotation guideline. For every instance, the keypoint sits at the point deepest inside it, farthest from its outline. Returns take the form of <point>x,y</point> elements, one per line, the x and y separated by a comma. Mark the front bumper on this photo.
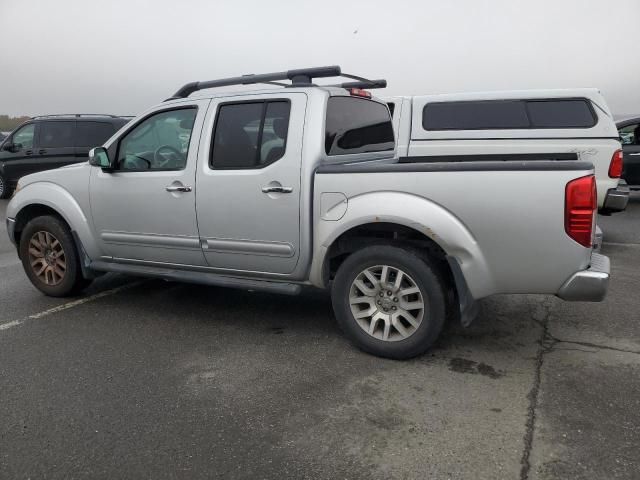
<point>616,199</point>
<point>588,285</point>
<point>11,228</point>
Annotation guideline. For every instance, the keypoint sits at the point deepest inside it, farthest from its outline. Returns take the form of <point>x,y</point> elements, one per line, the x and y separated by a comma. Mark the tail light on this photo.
<point>580,205</point>
<point>359,92</point>
<point>615,167</point>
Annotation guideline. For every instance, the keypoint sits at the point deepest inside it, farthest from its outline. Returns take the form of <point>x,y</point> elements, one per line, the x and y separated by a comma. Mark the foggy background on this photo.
<point>122,56</point>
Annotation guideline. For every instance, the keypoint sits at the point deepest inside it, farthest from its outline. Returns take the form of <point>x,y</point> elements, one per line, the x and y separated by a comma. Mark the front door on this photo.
<point>248,195</point>
<point>19,161</point>
<point>631,150</point>
<point>144,211</point>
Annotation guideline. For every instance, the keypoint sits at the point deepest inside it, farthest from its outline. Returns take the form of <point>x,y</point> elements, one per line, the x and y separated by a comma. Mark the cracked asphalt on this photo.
<point>163,380</point>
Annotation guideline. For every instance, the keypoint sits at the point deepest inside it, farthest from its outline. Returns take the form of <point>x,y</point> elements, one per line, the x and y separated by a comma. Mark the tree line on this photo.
<point>8,123</point>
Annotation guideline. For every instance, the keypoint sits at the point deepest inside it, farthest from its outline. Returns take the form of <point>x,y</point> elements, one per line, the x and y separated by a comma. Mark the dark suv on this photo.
<point>52,141</point>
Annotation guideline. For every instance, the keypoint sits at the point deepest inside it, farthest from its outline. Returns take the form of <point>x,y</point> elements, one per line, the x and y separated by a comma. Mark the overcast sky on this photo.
<point>122,56</point>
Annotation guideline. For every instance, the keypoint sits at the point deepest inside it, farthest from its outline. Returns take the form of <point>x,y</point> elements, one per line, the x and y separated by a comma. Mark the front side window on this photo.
<point>250,134</point>
<point>24,136</point>
<point>630,135</point>
<point>160,142</point>
<point>57,134</point>
<point>357,125</point>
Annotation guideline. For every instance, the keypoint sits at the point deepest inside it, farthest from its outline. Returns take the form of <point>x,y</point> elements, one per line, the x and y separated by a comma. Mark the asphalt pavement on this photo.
<point>148,379</point>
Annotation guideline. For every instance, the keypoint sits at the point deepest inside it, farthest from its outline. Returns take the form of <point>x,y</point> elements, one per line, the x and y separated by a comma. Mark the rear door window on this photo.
<point>56,134</point>
<point>357,125</point>
<point>92,134</point>
<point>250,134</point>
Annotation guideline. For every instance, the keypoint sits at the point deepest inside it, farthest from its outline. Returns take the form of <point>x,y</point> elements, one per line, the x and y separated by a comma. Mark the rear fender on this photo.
<point>418,213</point>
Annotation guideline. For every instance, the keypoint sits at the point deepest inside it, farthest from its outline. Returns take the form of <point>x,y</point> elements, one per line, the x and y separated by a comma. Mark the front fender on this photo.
<point>60,200</point>
<point>413,211</point>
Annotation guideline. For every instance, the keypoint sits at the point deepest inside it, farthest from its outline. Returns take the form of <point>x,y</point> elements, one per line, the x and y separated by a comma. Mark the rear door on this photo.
<point>630,135</point>
<point>90,134</point>
<point>248,185</point>
<point>55,144</point>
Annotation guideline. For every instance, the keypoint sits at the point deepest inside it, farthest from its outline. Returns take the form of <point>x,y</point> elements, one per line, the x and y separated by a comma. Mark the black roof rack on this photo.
<point>77,115</point>
<point>302,77</point>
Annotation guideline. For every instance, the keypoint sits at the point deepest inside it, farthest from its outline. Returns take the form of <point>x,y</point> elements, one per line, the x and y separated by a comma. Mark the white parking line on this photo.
<point>68,305</point>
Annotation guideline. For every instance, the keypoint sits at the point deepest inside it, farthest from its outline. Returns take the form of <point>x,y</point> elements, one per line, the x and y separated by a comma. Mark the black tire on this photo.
<point>5,190</point>
<point>423,275</point>
<point>72,281</point>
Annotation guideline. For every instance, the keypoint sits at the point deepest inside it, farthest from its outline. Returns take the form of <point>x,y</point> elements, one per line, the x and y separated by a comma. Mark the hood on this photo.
<point>66,176</point>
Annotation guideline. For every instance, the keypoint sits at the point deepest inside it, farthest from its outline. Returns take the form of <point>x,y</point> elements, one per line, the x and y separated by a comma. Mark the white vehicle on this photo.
<point>565,124</point>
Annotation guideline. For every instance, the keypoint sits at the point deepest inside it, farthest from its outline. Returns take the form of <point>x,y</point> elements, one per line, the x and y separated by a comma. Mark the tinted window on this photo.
<point>24,136</point>
<point>392,107</point>
<point>501,114</point>
<point>508,114</point>
<point>629,134</point>
<point>242,127</point>
<point>560,114</point>
<point>92,134</point>
<point>57,134</point>
<point>160,142</point>
<point>356,125</point>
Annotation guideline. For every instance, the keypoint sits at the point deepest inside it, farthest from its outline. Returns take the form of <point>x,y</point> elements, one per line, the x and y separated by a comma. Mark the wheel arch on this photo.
<point>44,198</point>
<point>420,222</point>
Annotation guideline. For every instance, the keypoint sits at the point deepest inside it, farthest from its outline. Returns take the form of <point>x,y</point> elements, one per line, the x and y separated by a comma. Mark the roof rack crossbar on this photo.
<point>302,77</point>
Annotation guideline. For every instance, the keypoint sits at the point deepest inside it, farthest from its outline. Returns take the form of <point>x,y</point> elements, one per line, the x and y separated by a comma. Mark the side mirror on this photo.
<point>11,147</point>
<point>98,157</point>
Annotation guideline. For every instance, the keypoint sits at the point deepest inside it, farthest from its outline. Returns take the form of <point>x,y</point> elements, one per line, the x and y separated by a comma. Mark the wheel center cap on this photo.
<point>386,302</point>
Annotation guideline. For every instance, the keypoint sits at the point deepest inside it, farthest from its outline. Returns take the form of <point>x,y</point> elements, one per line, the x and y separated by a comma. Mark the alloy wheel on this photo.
<point>386,303</point>
<point>47,258</point>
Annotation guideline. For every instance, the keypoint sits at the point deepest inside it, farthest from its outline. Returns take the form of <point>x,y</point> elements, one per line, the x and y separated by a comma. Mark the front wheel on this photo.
<point>49,257</point>
<point>389,301</point>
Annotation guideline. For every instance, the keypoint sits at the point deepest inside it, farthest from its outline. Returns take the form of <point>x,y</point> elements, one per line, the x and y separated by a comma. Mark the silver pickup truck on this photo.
<point>280,188</point>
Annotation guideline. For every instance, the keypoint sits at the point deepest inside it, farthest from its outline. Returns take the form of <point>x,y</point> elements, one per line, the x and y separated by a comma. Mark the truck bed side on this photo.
<point>502,221</point>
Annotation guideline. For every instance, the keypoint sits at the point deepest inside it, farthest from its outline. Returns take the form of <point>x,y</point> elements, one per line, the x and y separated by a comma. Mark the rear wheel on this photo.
<point>5,190</point>
<point>389,301</point>
<point>49,257</point>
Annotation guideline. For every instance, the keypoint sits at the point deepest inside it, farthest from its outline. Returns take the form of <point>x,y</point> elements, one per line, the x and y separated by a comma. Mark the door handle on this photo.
<point>28,152</point>
<point>277,189</point>
<point>42,151</point>
<point>634,154</point>
<point>177,188</point>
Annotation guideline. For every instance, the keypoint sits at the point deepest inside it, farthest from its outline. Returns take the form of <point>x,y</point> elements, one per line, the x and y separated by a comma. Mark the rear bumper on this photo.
<point>616,199</point>
<point>11,227</point>
<point>588,285</point>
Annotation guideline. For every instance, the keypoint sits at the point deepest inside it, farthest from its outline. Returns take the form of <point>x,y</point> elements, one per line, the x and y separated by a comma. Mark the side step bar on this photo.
<point>203,278</point>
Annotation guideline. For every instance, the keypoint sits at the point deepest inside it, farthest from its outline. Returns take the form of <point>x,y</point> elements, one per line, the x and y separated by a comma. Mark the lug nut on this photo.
<point>379,302</point>
<point>381,294</point>
<point>395,299</point>
<point>393,308</point>
<point>389,292</point>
